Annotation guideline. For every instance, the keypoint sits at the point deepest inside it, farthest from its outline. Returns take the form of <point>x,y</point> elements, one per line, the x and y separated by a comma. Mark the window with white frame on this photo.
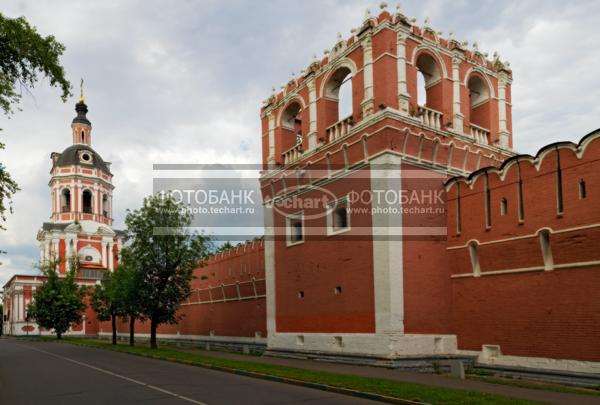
<point>295,229</point>
<point>338,216</point>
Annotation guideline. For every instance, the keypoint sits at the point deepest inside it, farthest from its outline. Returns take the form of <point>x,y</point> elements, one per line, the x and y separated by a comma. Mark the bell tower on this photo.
<point>81,214</point>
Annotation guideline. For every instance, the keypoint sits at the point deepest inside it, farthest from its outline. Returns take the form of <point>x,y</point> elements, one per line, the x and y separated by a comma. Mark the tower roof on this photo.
<point>74,155</point>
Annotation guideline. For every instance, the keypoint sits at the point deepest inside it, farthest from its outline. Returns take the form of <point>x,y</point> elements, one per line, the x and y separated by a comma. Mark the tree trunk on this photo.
<point>114,329</point>
<point>58,335</point>
<point>153,325</point>
<point>131,330</point>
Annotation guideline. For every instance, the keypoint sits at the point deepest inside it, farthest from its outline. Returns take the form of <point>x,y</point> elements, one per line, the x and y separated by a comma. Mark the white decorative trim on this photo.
<point>289,231</point>
<point>533,235</point>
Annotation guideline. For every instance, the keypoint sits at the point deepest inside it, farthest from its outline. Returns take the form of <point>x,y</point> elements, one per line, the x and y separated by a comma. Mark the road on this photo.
<point>57,373</point>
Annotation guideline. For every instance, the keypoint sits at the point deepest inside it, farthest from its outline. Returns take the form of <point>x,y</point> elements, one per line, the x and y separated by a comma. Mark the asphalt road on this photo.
<point>54,373</point>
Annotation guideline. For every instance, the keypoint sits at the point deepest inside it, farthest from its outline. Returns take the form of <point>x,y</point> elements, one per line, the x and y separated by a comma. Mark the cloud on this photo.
<point>184,82</point>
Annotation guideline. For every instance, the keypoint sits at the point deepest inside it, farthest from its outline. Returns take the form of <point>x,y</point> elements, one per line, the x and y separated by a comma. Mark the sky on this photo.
<point>182,82</point>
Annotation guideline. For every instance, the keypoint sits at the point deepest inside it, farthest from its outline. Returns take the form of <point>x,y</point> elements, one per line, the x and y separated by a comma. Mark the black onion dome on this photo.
<point>82,110</point>
<point>71,156</point>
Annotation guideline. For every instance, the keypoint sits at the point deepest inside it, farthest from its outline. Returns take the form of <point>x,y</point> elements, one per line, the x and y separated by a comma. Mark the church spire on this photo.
<point>82,127</point>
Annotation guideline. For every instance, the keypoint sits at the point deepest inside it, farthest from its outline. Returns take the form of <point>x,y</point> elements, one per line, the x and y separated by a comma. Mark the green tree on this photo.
<point>24,56</point>
<point>108,299</point>
<point>59,301</point>
<point>224,247</point>
<point>131,291</point>
<point>166,252</point>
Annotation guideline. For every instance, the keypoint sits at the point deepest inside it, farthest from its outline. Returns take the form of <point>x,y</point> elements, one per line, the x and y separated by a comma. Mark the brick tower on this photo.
<point>356,273</point>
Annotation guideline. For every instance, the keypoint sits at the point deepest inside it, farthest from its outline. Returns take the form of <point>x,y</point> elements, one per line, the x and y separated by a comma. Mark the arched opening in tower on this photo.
<point>87,201</point>
<point>291,124</point>
<point>338,94</point>
<point>479,102</point>
<point>66,200</point>
<point>105,205</point>
<point>429,82</point>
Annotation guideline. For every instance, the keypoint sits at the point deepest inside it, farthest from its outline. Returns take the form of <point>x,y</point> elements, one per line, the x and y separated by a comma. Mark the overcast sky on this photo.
<point>182,81</point>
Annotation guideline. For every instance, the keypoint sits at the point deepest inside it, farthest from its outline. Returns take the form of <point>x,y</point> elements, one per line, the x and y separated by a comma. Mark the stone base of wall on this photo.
<point>491,356</point>
<point>382,345</point>
<point>253,345</point>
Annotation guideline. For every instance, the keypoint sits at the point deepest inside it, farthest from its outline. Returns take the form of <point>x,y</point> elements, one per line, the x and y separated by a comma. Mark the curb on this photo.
<point>270,377</point>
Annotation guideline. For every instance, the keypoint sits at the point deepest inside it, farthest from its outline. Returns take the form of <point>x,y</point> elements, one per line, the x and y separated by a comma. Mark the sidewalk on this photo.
<point>549,397</point>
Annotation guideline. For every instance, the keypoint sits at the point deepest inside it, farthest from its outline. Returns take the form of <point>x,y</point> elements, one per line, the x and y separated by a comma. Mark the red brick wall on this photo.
<point>321,264</point>
<point>546,314</point>
<point>533,307</point>
<point>427,294</point>
<point>241,315</point>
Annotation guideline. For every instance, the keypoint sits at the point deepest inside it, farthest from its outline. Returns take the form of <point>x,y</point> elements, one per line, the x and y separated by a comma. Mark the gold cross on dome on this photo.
<point>81,91</point>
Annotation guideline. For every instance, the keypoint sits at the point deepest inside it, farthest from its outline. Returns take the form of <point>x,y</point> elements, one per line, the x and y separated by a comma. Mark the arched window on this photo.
<point>474,255</point>
<point>582,190</point>
<point>503,206</point>
<point>429,85</point>
<point>105,205</point>
<point>87,201</point>
<point>338,94</point>
<point>546,249</point>
<point>291,123</point>
<point>65,200</point>
<point>82,136</point>
<point>479,102</point>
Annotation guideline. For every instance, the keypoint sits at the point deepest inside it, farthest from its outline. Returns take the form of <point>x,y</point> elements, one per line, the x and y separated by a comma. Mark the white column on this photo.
<point>111,256</point>
<point>104,254</point>
<point>55,246</point>
<point>502,123</point>
<point>457,121</point>
<point>79,196</point>
<point>388,266</point>
<point>95,205</point>
<point>312,113</point>
<point>67,249</point>
<point>271,159</point>
<point>47,249</point>
<point>403,96</point>
<point>56,199</point>
<point>368,104</point>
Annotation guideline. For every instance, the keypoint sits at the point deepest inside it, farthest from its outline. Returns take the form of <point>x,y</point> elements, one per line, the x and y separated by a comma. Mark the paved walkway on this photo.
<point>543,396</point>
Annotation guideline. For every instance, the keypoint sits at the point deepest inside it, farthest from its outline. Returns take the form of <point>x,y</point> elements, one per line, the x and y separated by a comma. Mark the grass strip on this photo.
<point>536,385</point>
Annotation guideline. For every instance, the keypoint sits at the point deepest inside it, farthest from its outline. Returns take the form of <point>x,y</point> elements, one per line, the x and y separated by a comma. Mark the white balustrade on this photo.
<point>479,134</point>
<point>339,129</point>
<point>430,118</point>
<point>293,154</point>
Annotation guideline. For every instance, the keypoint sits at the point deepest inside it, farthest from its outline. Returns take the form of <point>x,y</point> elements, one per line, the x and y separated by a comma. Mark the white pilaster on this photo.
<point>457,121</point>
<point>368,104</point>
<point>79,196</point>
<point>312,113</point>
<point>387,247</point>
<point>104,254</point>
<point>403,96</point>
<point>270,270</point>
<point>55,247</point>
<point>271,158</point>
<point>111,256</point>
<point>502,116</point>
